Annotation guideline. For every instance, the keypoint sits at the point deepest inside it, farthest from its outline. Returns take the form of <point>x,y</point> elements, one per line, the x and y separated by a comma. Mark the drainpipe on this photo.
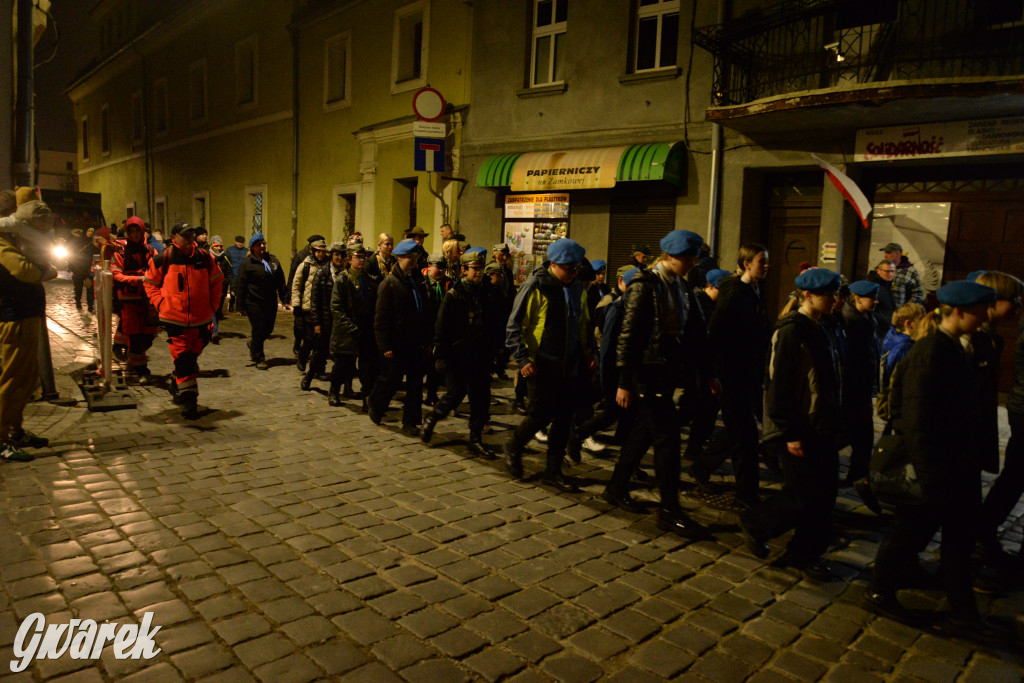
<point>150,179</point>
<point>717,152</point>
<point>23,105</point>
<point>295,128</point>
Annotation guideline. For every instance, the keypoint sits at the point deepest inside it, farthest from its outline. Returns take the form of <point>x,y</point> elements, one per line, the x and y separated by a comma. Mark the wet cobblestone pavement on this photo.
<point>278,539</point>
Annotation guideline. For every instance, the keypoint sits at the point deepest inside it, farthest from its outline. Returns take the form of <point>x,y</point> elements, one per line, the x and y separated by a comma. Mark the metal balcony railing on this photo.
<point>801,45</point>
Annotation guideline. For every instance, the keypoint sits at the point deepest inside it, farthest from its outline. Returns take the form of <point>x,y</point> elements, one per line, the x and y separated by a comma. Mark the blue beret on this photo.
<point>630,274</point>
<point>864,288</point>
<point>974,275</point>
<point>598,265</point>
<point>716,275</point>
<point>681,243</point>
<point>565,252</point>
<point>258,237</point>
<point>478,250</point>
<point>965,294</point>
<point>405,248</point>
<point>818,280</point>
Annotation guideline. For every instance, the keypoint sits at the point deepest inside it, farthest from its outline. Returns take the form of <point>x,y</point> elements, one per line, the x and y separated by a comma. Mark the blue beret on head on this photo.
<point>818,280</point>
<point>716,275</point>
<point>478,250</point>
<point>630,274</point>
<point>974,275</point>
<point>598,265</point>
<point>681,243</point>
<point>864,288</point>
<point>965,294</point>
<point>565,252</point>
<point>258,237</point>
<point>405,247</point>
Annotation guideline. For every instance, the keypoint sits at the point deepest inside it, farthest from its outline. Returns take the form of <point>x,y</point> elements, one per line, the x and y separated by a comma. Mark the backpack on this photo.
<point>888,397</point>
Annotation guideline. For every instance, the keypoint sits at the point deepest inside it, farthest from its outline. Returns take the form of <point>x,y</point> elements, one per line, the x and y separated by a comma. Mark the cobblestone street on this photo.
<point>279,539</point>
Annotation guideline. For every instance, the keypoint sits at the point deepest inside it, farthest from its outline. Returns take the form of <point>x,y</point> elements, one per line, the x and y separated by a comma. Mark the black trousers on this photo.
<point>298,329</point>
<point>860,428</point>
<point>407,364</point>
<point>739,413</point>
<point>308,342</point>
<point>321,351</point>
<point>550,400</point>
<point>343,371</point>
<point>956,512</point>
<point>433,380</point>
<point>805,503</point>
<point>83,282</point>
<point>657,425</point>
<point>474,380</point>
<point>261,323</point>
<point>1009,486</point>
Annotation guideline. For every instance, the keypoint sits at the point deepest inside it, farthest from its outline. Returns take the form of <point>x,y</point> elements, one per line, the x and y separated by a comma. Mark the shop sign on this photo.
<point>537,206</point>
<point>579,169</point>
<point>829,252</point>
<point>948,139</point>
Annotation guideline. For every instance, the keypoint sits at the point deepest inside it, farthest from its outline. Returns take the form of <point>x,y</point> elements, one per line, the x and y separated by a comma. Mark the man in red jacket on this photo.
<point>134,329</point>
<point>184,285</point>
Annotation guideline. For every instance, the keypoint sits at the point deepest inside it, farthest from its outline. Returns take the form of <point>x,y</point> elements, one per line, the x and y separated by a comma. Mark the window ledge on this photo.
<point>668,74</point>
<point>542,90</point>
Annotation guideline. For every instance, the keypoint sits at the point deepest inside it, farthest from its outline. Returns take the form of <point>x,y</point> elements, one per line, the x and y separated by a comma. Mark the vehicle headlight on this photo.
<point>60,252</point>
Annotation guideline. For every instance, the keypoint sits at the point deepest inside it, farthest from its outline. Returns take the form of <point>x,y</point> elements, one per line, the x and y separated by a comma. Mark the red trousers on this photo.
<point>135,332</point>
<point>186,344</point>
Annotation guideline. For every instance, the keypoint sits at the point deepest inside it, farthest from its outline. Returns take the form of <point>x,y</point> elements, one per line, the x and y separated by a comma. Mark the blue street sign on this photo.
<point>428,154</point>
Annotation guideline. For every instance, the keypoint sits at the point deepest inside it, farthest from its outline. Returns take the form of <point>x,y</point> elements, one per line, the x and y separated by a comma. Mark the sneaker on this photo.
<point>540,436</point>
<point>11,453</point>
<point>26,439</point>
<point>589,444</point>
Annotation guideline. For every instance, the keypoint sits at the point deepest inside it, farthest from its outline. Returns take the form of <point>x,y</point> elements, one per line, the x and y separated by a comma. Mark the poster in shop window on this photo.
<point>532,223</point>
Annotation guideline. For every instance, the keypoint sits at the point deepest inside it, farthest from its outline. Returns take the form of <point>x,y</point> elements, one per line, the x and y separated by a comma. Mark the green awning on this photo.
<point>665,161</point>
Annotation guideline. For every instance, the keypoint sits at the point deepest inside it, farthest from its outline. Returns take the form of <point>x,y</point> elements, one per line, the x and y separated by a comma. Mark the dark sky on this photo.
<point>55,124</point>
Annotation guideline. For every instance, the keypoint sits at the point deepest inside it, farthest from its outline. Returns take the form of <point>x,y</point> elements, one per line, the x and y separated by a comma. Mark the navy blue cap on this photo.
<point>864,288</point>
<point>598,265</point>
<point>681,243</point>
<point>716,275</point>
<point>818,280</point>
<point>629,275</point>
<point>258,237</point>
<point>965,294</point>
<point>564,252</point>
<point>974,275</point>
<point>405,248</point>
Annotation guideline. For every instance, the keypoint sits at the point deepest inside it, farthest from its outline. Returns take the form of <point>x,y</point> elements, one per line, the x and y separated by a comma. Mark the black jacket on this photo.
<point>402,313</point>
<point>1015,400</point>
<point>464,332</point>
<point>939,417</point>
<point>885,306</point>
<point>801,393</point>
<point>987,348</point>
<point>860,363</point>
<point>738,333</point>
<point>320,299</point>
<point>258,287</point>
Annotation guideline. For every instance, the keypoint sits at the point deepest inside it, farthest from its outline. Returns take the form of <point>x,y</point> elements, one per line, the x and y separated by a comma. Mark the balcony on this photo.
<point>858,56</point>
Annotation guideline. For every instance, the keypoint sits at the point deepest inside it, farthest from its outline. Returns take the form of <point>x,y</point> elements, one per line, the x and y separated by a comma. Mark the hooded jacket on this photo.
<point>302,282</point>
<point>130,263</point>
<point>184,287</point>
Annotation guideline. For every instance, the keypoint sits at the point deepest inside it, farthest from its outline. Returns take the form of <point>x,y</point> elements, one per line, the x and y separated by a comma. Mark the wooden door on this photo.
<point>794,222</point>
<point>988,236</point>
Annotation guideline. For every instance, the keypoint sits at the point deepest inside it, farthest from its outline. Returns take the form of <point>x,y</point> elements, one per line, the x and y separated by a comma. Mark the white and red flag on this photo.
<point>848,189</point>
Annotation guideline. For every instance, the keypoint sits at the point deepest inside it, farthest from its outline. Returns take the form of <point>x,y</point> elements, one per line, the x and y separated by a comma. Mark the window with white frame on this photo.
<point>255,209</point>
<point>138,120</point>
<point>410,46</point>
<point>657,34</point>
<point>105,129</point>
<point>197,92</point>
<point>160,113</point>
<point>546,58</point>
<point>337,71</point>
<point>85,138</point>
<point>247,72</point>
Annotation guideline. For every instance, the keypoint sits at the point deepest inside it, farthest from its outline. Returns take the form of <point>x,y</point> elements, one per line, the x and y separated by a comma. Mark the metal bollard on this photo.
<point>103,285</point>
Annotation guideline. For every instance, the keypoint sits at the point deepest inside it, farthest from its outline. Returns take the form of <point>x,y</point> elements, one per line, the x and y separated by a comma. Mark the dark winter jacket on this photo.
<point>463,334</point>
<point>538,329</point>
<point>229,273</point>
<point>1015,400</point>
<point>738,333</point>
<point>801,395</point>
<point>885,306</point>
<point>21,291</point>
<point>321,290</point>
<point>860,364</point>
<point>895,348</point>
<point>378,268</point>
<point>612,326</point>
<point>353,304</point>
<point>258,286</point>
<point>986,349</point>
<point>939,416</point>
<point>235,256</point>
<point>402,313</point>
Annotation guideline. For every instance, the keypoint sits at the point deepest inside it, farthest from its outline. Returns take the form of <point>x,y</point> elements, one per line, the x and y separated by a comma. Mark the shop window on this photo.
<point>160,114</point>
<point>247,72</point>
<point>197,92</point>
<point>138,121</point>
<point>337,71</point>
<point>546,56</point>
<point>105,129</point>
<point>656,34</point>
<point>410,46</point>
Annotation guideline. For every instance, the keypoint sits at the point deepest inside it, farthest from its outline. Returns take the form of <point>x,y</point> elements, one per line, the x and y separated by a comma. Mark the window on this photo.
<point>247,72</point>
<point>546,60</point>
<point>160,215</point>
<point>85,138</point>
<point>337,71</point>
<point>138,120</point>
<point>256,209</point>
<point>160,106</point>
<point>197,92</point>
<point>657,34</point>
<point>105,129</point>
<point>409,47</point>
<point>201,209</point>
<point>129,210</point>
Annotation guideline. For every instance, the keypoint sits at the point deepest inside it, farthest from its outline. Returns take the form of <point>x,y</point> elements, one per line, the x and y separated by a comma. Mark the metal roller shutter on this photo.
<point>637,220</point>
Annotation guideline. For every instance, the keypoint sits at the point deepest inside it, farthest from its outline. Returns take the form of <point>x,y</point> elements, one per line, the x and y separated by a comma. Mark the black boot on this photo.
<point>513,460</point>
<point>478,448</point>
<point>678,522</point>
<point>553,475</point>
<point>191,408</point>
<point>333,400</point>
<point>622,500</point>
<point>427,430</point>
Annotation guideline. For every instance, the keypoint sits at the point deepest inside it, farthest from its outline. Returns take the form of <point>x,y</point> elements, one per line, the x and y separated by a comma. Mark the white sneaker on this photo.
<point>540,436</point>
<point>593,446</point>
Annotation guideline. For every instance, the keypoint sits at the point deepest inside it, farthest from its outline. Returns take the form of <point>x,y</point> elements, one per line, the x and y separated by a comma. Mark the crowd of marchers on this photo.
<point>667,347</point>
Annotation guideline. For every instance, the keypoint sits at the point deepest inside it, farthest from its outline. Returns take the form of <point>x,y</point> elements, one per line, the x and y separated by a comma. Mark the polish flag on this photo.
<point>848,189</point>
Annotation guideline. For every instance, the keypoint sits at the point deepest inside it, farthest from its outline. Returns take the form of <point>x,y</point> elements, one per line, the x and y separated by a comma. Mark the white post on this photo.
<point>103,281</point>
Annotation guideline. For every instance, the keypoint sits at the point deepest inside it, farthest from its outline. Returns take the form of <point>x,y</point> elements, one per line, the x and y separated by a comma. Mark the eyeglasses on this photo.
<point>572,267</point>
<point>886,270</point>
